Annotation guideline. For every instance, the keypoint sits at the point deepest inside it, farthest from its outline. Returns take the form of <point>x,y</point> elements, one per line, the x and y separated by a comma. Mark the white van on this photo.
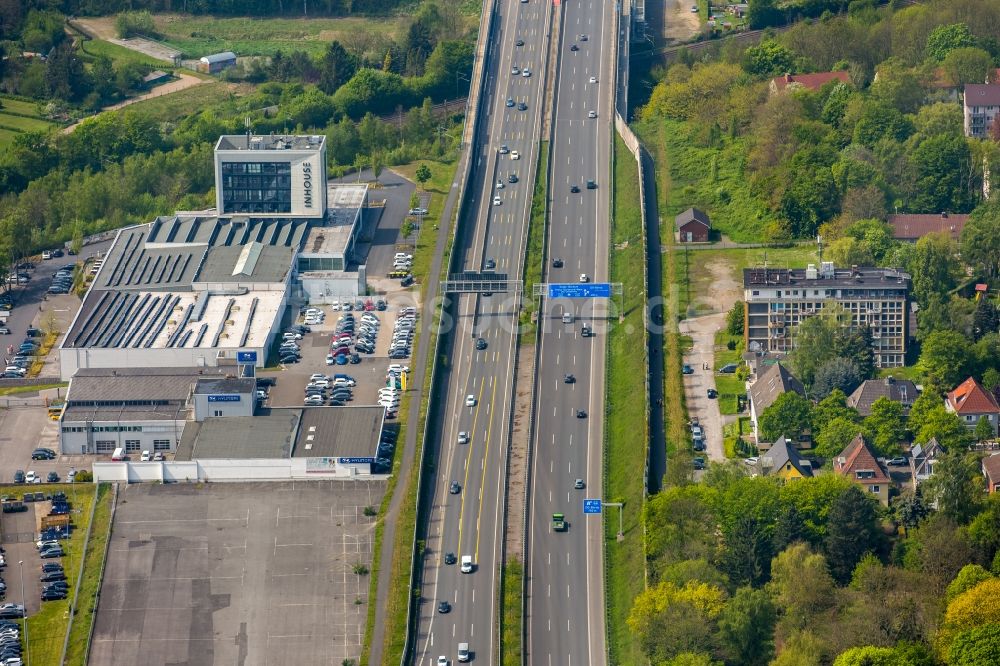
<point>466,563</point>
<point>119,454</point>
<point>463,652</point>
<point>567,318</point>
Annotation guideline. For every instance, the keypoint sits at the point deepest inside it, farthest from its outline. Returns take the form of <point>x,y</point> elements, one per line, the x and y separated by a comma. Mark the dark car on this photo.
<point>399,354</point>
<point>444,607</point>
<point>454,488</point>
<point>289,359</point>
<point>33,332</point>
<point>574,48</point>
<point>728,368</point>
<point>52,477</point>
<point>406,282</point>
<point>51,566</point>
<point>570,379</point>
<point>699,463</point>
<point>52,576</point>
<point>54,595</point>
<point>557,263</point>
<point>519,42</point>
<point>43,454</point>
<point>19,476</point>
<point>591,185</point>
<point>266,381</point>
<point>712,394</point>
<point>449,558</point>
<point>521,106</point>
<point>581,414</point>
<point>355,358</point>
<point>512,178</point>
<point>480,344</point>
<point>49,553</point>
<point>574,188</point>
<point>687,369</point>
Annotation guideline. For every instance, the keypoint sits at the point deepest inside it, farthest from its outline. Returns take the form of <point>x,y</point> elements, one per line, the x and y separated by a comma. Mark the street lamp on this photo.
<point>24,614</point>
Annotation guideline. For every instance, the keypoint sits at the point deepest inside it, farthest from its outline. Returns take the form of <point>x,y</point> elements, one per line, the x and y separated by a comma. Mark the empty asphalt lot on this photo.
<point>241,574</point>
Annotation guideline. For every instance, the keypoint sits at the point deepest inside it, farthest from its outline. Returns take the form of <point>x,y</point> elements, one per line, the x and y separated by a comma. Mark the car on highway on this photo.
<point>463,652</point>
<point>481,344</point>
<point>510,102</point>
<point>569,379</point>
<point>581,413</point>
<point>514,155</point>
<point>582,38</point>
<point>449,558</point>
<point>444,607</point>
<point>557,263</point>
<point>470,401</point>
<point>574,48</point>
<point>496,201</point>
<point>578,484</point>
<point>584,277</point>
<point>504,149</point>
<point>442,661</point>
<point>512,178</point>
<point>454,488</point>
<point>526,73</point>
<point>500,185</point>
<point>466,566</point>
<point>591,185</point>
<point>591,114</point>
<point>515,70</point>
<point>574,188</point>
<point>521,106</point>
<point>519,42</point>
<point>559,523</point>
<point>463,437</point>
<point>593,79</point>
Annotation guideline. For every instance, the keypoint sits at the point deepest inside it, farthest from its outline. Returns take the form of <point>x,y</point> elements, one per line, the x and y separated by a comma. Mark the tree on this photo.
<point>803,648</point>
<point>976,608</point>
<point>832,406</point>
<point>976,647</point>
<point>693,659</point>
<point>884,427</point>
<point>852,532</point>
<point>735,318</point>
<point>910,508</point>
<point>336,67</point>
<point>984,431</point>
<point>768,58</point>
<point>956,486</point>
<point>801,584</point>
<point>835,437</point>
<point>423,174</point>
<point>856,345</point>
<point>946,38</point>
<point>920,410</point>
<point>746,553</point>
<point>970,576</point>
<point>867,655</point>
<point>985,319</point>
<point>946,427</point>
<point>836,374</point>
<point>943,168</point>
<point>981,240</point>
<point>788,416</point>
<point>944,358</point>
<point>746,627</point>
<point>967,65</point>
<point>815,340</point>
<point>670,620</point>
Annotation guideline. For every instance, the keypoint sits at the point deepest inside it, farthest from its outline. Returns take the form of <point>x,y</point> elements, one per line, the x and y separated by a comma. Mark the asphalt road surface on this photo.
<point>469,523</point>
<point>565,610</point>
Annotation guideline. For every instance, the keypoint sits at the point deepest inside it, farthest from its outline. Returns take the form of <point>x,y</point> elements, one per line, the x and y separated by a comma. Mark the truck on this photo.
<point>559,523</point>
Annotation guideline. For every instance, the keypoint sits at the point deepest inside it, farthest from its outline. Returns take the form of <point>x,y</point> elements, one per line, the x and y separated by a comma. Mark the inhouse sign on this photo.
<point>307,184</point>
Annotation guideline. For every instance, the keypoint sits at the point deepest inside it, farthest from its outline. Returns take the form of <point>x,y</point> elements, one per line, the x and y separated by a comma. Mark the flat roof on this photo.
<point>343,204</point>
<point>224,385</point>
<point>270,142</point>
<point>331,432</point>
<point>75,413</point>
<point>264,436</point>
<point>247,263</point>
<point>888,278</point>
<point>132,384</point>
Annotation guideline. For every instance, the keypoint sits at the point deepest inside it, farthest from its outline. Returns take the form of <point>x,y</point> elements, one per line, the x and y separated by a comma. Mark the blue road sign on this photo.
<point>246,357</point>
<point>580,290</point>
<point>591,506</point>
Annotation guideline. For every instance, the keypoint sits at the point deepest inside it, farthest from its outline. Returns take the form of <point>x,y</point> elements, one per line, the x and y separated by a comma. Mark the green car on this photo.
<point>559,523</point>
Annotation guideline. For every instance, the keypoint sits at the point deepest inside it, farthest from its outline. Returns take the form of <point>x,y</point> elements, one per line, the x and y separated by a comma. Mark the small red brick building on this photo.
<point>693,226</point>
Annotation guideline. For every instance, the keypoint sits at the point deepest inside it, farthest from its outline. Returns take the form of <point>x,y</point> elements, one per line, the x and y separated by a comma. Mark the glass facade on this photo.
<point>257,187</point>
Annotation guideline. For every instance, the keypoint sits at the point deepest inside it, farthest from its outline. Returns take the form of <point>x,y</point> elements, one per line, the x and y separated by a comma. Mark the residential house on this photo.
<point>813,81</point>
<point>972,402</point>
<point>991,470</point>
<point>779,299</point>
<point>771,383</point>
<point>923,457</point>
<point>898,390</point>
<point>693,226</point>
<point>858,463</point>
<point>783,461</point>
<point>911,227</point>
<point>980,106</point>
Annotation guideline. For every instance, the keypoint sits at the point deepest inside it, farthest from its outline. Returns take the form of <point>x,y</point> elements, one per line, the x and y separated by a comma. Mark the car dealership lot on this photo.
<point>237,573</point>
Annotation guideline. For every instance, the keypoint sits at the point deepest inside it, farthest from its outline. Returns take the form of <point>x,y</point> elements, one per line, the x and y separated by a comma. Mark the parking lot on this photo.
<point>237,574</point>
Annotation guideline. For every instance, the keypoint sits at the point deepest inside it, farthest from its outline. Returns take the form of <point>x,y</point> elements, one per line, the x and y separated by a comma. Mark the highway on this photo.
<point>469,523</point>
<point>565,608</point>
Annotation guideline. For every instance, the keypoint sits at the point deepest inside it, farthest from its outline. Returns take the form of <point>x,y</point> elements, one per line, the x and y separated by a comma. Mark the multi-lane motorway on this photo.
<point>469,522</point>
<point>565,609</point>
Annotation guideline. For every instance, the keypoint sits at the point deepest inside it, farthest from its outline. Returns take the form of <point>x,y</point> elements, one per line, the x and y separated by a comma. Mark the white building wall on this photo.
<point>225,470</point>
<point>78,443</point>
<point>308,176</point>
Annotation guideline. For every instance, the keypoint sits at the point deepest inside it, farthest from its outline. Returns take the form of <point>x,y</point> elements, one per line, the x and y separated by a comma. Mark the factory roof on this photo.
<point>174,412</point>
<point>343,203</point>
<point>270,142</point>
<point>268,435</point>
<point>330,432</point>
<point>105,385</point>
<point>247,263</point>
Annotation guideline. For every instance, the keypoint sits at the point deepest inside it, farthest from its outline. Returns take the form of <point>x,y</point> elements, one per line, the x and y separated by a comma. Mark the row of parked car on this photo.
<point>335,390</point>
<point>10,635</point>
<point>17,366</point>
<point>62,281</point>
<point>697,441</point>
<point>383,456</point>
<point>402,333</point>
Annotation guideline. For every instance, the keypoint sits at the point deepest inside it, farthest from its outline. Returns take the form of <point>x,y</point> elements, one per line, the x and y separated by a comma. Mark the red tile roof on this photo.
<point>982,94</point>
<point>857,462</point>
<point>810,81</point>
<point>991,468</point>
<point>971,398</point>
<point>909,226</point>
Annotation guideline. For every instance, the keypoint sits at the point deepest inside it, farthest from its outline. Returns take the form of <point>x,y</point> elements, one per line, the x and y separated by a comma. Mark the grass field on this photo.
<point>513,606</point>
<point>712,179</point>
<point>119,54</point>
<point>17,116</point>
<point>197,36</point>
<point>86,604</point>
<point>47,628</point>
<point>626,425</point>
<point>537,230</point>
<point>177,105</point>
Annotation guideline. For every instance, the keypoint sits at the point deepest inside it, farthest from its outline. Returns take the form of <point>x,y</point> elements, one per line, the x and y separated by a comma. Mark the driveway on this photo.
<point>701,358</point>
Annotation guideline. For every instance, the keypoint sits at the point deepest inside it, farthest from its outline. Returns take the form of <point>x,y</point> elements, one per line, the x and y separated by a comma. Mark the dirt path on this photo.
<point>679,22</point>
<point>183,82</point>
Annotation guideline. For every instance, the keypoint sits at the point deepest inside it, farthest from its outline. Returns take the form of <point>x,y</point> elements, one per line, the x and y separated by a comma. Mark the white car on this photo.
<point>291,335</point>
<point>592,114</point>
<point>316,376</point>
<point>146,456</point>
<point>71,474</point>
<point>396,367</point>
<point>514,155</point>
<point>313,311</point>
<point>496,201</point>
<point>404,256</point>
<point>443,660</point>
<point>463,437</point>
<point>470,401</point>
<point>526,73</point>
<point>584,277</point>
<point>593,79</point>
<point>313,400</point>
<point>330,360</point>
<point>342,381</point>
<point>694,9</point>
<point>499,184</point>
<point>335,306</point>
<point>31,477</point>
<point>515,70</point>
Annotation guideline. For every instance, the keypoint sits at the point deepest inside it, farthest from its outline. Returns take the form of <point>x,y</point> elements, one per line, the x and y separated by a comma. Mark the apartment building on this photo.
<point>980,106</point>
<point>779,299</point>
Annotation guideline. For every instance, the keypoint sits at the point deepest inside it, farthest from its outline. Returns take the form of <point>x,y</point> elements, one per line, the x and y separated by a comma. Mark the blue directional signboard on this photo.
<point>246,357</point>
<point>591,506</point>
<point>580,290</point>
